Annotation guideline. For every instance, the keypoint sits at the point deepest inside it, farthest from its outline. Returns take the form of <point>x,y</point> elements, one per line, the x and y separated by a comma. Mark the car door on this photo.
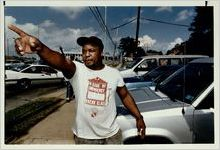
<point>203,123</point>
<point>34,73</point>
<point>145,66</point>
<point>37,74</point>
<point>48,74</point>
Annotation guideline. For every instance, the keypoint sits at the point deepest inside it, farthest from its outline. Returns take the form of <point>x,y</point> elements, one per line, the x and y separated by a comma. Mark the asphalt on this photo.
<point>55,128</point>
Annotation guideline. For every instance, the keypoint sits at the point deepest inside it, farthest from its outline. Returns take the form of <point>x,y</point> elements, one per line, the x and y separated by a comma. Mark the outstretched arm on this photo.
<point>27,44</point>
<point>129,103</point>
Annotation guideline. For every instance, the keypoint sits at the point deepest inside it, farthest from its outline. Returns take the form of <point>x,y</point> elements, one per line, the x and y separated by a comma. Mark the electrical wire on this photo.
<point>106,28</point>
<point>95,11</point>
<point>124,24</point>
<point>164,22</point>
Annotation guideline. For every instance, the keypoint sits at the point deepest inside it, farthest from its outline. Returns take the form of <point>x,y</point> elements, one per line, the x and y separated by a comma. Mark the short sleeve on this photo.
<point>121,82</point>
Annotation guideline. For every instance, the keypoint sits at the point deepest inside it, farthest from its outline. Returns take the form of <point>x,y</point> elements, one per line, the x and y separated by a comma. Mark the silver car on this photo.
<point>181,110</point>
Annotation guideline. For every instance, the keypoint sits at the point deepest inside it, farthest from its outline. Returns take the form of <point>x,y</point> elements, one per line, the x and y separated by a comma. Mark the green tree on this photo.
<point>201,39</point>
<point>127,46</point>
<point>139,52</point>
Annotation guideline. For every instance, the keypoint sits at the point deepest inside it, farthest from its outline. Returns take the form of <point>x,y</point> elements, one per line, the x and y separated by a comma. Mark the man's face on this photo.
<point>92,56</point>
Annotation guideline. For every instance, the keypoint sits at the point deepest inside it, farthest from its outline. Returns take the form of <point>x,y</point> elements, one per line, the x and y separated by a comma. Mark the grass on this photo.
<point>19,120</point>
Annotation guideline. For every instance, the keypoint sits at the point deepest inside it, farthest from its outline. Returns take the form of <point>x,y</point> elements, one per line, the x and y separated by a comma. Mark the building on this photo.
<point>78,56</point>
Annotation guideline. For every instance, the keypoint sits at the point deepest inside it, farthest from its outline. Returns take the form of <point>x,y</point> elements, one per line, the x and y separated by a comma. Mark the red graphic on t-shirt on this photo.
<point>96,92</point>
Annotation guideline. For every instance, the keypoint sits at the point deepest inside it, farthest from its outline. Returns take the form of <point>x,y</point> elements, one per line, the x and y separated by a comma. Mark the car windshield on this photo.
<point>187,83</point>
<point>133,63</point>
<point>155,73</point>
<point>19,67</point>
<point>167,73</point>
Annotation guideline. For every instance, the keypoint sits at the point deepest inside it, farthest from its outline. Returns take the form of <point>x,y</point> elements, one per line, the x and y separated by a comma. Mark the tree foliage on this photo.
<point>201,40</point>
<point>129,48</point>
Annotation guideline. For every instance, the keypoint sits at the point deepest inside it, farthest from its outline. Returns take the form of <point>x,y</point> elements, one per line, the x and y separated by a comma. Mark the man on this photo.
<point>95,85</point>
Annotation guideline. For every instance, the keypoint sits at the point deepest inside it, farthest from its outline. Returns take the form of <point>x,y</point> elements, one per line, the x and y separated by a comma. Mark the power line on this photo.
<point>101,22</point>
<point>164,22</point>
<point>124,24</point>
<point>154,20</point>
<point>97,18</point>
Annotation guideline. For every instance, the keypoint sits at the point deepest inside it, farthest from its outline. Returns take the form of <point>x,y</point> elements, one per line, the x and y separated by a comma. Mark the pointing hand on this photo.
<point>25,44</point>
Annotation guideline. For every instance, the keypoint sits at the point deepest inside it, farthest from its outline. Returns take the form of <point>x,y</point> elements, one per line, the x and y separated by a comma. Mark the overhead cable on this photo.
<point>164,22</point>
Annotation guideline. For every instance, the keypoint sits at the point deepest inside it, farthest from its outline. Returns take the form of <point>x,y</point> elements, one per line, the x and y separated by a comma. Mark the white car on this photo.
<point>181,110</point>
<point>26,75</point>
<point>146,63</point>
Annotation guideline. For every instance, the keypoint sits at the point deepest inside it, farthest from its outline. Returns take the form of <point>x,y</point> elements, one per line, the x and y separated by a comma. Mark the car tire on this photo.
<point>24,84</point>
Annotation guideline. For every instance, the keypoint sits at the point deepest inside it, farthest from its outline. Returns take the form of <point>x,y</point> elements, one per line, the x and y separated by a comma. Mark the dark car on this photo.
<point>151,78</point>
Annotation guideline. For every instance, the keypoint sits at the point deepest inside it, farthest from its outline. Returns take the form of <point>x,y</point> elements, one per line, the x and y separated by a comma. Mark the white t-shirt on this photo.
<point>95,101</point>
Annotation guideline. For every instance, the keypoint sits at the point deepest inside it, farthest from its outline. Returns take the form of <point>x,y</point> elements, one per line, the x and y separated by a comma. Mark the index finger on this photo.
<point>17,30</point>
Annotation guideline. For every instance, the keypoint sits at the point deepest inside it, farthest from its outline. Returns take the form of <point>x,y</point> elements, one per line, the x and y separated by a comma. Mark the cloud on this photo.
<point>183,15</point>
<point>49,33</point>
<point>47,24</point>
<point>65,37</point>
<point>10,19</point>
<point>162,9</point>
<point>146,41</point>
<point>70,12</point>
<point>29,27</point>
<point>171,45</point>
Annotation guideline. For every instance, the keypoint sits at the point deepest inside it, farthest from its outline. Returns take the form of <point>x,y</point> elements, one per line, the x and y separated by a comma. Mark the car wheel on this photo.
<point>24,84</point>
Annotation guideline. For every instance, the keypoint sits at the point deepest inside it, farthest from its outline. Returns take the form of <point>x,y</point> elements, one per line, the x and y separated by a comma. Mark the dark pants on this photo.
<point>69,90</point>
<point>115,139</point>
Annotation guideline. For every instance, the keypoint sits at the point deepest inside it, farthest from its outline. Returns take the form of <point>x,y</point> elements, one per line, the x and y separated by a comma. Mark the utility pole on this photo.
<point>138,24</point>
<point>206,3</point>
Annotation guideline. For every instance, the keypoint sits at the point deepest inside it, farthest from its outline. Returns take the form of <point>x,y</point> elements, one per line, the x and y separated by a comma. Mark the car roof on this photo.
<point>37,65</point>
<point>202,60</point>
<point>174,56</point>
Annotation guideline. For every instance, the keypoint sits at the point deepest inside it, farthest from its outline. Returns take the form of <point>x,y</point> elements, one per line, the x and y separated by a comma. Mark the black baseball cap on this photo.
<point>92,39</point>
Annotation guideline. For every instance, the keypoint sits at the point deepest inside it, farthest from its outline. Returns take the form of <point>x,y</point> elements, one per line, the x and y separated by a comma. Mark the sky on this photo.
<point>61,26</point>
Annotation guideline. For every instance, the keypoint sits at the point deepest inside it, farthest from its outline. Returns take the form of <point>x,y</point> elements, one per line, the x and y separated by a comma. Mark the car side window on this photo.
<point>175,61</point>
<point>38,69</point>
<point>31,69</point>
<point>164,61</point>
<point>208,101</point>
<point>50,70</point>
<point>47,70</point>
<point>147,65</point>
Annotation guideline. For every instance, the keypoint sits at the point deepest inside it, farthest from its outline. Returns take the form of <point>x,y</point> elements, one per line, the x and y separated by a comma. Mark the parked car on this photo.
<point>9,66</point>
<point>151,78</point>
<point>26,75</point>
<point>181,110</point>
<point>144,64</point>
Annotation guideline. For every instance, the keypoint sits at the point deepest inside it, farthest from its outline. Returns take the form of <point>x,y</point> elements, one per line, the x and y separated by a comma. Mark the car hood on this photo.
<point>148,100</point>
<point>127,73</point>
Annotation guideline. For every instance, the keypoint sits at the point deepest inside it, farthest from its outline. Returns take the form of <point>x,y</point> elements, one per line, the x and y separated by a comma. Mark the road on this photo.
<point>15,97</point>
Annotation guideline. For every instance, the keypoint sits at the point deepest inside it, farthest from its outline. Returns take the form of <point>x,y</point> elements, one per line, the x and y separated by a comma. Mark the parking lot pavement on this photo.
<point>54,129</point>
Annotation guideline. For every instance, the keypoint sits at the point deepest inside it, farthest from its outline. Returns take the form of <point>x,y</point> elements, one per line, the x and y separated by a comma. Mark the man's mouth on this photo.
<point>88,61</point>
